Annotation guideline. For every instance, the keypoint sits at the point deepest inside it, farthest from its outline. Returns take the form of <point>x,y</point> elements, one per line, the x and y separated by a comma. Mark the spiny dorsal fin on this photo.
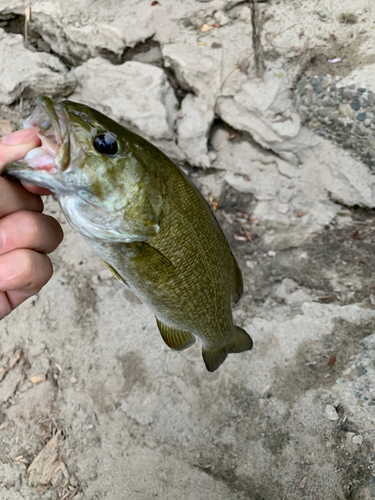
<point>116,274</point>
<point>215,356</point>
<point>237,283</point>
<point>178,340</point>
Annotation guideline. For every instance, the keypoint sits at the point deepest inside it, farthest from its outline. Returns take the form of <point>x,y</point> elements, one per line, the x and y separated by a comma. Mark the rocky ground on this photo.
<point>93,405</point>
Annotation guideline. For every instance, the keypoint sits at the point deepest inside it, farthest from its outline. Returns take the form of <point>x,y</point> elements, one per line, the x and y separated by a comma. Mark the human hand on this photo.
<point>26,234</point>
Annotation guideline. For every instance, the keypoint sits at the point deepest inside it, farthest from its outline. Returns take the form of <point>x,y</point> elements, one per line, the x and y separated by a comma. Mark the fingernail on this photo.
<point>19,137</point>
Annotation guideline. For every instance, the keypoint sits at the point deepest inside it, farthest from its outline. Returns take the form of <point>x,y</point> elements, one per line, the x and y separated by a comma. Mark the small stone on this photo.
<point>361,117</point>
<point>371,97</point>
<point>5,127</point>
<point>345,110</point>
<point>356,104</point>
<point>105,274</point>
<point>303,483</point>
<point>331,412</point>
<point>358,129</point>
<point>318,87</point>
<point>348,95</point>
<point>323,112</point>
<point>361,370</point>
<point>357,439</point>
<point>95,279</point>
<point>271,253</point>
<point>38,379</point>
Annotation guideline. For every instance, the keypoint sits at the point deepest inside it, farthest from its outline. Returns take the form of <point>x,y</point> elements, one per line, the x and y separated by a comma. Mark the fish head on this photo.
<point>97,169</point>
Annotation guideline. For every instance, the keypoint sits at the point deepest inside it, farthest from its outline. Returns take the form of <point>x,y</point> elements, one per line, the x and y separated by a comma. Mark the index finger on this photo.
<point>15,146</point>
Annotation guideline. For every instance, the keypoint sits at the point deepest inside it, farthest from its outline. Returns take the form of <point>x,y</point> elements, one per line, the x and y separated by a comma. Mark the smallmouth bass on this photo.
<point>146,220</point>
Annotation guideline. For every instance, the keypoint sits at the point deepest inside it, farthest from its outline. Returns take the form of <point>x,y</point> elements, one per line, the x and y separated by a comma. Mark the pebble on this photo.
<point>361,370</point>
<point>356,104</point>
<point>105,274</point>
<point>334,112</point>
<point>331,412</point>
<point>95,279</point>
<point>345,110</point>
<point>348,95</point>
<point>357,439</point>
<point>318,87</point>
<point>361,117</point>
<point>271,253</point>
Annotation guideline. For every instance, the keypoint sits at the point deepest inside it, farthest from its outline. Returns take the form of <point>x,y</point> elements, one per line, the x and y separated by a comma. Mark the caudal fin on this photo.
<point>215,356</point>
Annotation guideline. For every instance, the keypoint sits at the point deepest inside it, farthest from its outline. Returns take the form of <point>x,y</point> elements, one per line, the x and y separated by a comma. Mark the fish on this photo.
<point>145,219</point>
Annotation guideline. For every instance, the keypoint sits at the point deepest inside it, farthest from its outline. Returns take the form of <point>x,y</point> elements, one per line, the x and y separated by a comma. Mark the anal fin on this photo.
<point>215,356</point>
<point>176,339</point>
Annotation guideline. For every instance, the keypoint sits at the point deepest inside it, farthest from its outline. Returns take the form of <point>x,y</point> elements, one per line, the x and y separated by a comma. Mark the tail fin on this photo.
<point>215,356</point>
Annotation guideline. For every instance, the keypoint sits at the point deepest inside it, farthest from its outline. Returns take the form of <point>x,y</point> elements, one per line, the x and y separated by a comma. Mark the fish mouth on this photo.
<point>53,156</point>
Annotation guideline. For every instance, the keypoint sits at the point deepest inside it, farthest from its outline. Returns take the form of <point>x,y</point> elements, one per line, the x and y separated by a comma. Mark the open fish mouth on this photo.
<point>53,155</point>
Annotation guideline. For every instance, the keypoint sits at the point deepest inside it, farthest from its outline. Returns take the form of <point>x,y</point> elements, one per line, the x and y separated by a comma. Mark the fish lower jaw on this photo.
<point>39,159</point>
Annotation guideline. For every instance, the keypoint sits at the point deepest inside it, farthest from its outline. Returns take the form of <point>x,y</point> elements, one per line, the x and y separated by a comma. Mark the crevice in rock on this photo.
<point>237,136</point>
<point>15,24</point>
<point>180,92</point>
<point>239,3</point>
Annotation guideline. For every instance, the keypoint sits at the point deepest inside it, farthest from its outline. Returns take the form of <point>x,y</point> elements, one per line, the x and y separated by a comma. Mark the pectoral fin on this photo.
<point>178,340</point>
<point>215,356</point>
<point>116,274</point>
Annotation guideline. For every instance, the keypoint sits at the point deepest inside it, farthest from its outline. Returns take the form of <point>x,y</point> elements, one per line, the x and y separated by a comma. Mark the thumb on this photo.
<point>15,146</point>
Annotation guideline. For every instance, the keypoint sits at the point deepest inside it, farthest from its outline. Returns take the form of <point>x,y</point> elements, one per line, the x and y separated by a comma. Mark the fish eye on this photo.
<point>106,144</point>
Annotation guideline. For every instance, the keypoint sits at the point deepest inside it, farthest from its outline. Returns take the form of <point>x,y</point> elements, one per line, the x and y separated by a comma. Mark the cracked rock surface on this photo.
<point>93,405</point>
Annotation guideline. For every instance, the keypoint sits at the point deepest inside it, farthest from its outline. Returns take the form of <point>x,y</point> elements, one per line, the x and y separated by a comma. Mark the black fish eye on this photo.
<point>106,144</point>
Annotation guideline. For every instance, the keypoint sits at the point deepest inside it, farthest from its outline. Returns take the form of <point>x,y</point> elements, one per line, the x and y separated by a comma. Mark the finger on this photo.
<point>31,230</point>
<point>35,189</point>
<point>11,300</point>
<point>5,307</point>
<point>14,198</point>
<point>24,270</point>
<point>15,146</point>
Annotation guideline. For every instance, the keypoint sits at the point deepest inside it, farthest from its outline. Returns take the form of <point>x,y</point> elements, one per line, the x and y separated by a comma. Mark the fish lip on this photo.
<point>58,121</point>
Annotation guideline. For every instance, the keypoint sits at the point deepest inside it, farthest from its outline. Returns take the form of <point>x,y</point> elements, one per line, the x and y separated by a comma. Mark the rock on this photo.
<point>357,439</point>
<point>27,74</point>
<point>258,110</point>
<point>356,104</point>
<point>83,33</point>
<point>331,413</point>
<point>135,93</point>
<point>361,117</point>
<point>193,125</point>
<point>5,127</point>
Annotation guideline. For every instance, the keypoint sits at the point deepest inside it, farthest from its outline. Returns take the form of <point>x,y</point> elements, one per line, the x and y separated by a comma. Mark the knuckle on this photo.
<point>32,223</point>
<point>27,265</point>
<point>36,270</point>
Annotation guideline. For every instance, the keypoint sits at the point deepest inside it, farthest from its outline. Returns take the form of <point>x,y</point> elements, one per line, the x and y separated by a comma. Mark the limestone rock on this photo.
<point>135,93</point>
<point>27,74</point>
<point>193,125</point>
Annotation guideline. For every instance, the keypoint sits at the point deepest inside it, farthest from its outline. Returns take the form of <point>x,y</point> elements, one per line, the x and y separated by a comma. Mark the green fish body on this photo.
<point>147,221</point>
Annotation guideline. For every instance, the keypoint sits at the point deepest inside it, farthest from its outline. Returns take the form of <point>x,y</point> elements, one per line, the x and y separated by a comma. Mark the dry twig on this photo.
<point>257,42</point>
